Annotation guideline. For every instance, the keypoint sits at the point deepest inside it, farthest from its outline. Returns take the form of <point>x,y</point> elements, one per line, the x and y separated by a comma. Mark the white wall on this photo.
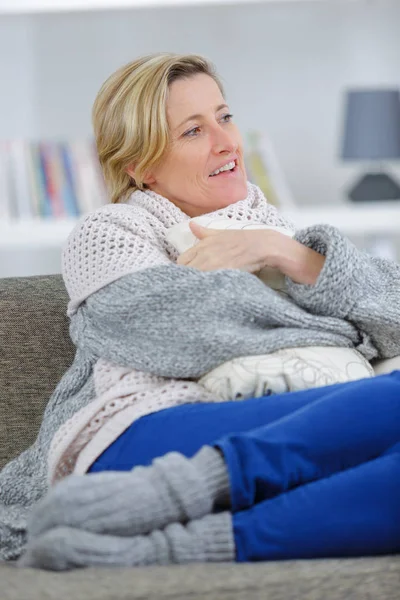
<point>284,66</point>
<point>16,78</point>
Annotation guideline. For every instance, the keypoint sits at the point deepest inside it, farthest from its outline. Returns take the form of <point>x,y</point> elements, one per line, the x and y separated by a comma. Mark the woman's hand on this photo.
<point>251,250</point>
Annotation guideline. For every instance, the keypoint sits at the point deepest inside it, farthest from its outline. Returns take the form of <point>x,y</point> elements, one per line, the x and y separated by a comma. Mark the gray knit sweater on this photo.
<point>180,322</point>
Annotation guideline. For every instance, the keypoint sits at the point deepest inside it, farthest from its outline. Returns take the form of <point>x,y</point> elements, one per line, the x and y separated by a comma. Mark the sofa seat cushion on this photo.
<point>336,579</point>
<point>386,365</point>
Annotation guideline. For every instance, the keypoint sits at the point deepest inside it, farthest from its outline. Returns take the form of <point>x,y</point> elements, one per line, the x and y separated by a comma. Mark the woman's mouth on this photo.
<point>226,170</point>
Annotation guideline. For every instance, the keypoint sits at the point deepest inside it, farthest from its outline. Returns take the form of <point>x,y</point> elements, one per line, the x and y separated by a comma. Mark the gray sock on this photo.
<point>209,539</point>
<point>173,489</point>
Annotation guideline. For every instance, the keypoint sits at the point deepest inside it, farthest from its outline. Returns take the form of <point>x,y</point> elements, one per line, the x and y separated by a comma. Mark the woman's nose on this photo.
<point>224,141</point>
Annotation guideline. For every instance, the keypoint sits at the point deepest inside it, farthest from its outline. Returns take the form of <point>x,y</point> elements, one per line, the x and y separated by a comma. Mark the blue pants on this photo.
<point>313,474</point>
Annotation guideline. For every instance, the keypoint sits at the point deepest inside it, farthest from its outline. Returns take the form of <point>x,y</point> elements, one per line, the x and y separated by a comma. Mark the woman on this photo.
<point>306,474</point>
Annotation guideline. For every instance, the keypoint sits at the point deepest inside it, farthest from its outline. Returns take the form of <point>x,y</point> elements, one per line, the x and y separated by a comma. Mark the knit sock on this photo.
<point>173,489</point>
<point>209,539</point>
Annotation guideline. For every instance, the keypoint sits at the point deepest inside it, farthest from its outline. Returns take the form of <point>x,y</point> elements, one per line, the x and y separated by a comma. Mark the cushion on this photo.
<point>35,352</point>
<point>181,236</point>
<point>336,579</point>
<point>287,370</point>
<point>386,365</point>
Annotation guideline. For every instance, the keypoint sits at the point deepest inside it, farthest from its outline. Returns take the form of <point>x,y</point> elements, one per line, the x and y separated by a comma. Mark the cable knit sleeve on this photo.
<point>354,286</point>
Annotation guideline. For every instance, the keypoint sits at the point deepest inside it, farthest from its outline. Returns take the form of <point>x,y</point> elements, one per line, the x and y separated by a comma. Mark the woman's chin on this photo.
<point>232,194</point>
<point>232,183</point>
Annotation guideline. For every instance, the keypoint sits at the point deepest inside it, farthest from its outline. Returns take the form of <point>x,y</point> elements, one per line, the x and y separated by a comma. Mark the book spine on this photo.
<point>82,170</point>
<point>53,179</point>
<point>34,181</point>
<point>70,187</point>
<point>47,211</point>
<point>19,177</point>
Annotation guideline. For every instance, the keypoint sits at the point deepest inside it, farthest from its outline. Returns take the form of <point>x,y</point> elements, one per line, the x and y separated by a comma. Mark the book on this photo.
<point>53,177</point>
<point>87,176</point>
<point>35,179</point>
<point>20,189</point>
<point>264,170</point>
<point>49,179</point>
<point>70,194</point>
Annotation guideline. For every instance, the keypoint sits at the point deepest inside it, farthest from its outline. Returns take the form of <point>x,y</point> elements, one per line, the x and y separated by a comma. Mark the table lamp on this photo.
<point>372,133</point>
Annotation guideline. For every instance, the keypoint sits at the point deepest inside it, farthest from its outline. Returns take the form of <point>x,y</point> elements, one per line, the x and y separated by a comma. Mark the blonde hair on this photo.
<point>130,117</point>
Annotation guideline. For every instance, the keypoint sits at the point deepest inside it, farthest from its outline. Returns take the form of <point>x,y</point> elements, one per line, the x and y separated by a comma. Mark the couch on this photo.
<point>35,351</point>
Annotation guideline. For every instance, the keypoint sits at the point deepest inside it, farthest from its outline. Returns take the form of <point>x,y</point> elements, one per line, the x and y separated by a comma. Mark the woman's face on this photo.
<point>204,139</point>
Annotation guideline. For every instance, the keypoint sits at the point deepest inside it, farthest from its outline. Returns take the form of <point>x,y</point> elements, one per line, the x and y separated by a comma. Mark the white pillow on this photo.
<point>181,236</point>
<point>286,370</point>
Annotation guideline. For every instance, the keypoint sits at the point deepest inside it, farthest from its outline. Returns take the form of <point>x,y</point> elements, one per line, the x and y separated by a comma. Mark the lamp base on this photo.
<point>374,187</point>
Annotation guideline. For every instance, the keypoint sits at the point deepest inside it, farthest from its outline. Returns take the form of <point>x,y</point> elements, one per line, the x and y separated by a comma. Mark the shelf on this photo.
<point>353,220</point>
<point>10,7</point>
<point>375,218</point>
<point>35,233</point>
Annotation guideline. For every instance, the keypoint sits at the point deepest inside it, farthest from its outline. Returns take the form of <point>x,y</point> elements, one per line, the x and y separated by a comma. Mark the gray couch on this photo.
<point>35,351</point>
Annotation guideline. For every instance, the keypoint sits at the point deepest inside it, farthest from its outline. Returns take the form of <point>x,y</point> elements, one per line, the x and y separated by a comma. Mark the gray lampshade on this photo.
<point>372,125</point>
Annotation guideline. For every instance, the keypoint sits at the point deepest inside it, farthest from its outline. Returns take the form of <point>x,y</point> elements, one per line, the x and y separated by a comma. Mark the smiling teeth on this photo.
<point>227,167</point>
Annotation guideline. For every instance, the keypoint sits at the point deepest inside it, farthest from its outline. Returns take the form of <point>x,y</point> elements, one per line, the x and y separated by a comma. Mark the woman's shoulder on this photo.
<point>119,212</point>
<point>106,244</point>
<point>115,219</point>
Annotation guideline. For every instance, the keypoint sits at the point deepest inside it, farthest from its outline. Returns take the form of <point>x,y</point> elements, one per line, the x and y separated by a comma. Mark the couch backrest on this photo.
<point>35,352</point>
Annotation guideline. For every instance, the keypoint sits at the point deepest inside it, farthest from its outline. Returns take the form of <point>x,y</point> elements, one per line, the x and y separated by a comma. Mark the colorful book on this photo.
<point>21,193</point>
<point>49,179</point>
<point>53,174</point>
<point>265,171</point>
<point>35,180</point>
<point>69,189</point>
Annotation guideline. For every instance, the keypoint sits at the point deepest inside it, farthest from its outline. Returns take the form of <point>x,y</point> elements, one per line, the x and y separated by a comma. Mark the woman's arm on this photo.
<point>352,285</point>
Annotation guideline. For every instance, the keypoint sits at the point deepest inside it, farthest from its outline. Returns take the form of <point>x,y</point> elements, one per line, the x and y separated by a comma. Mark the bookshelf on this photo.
<point>35,233</point>
<point>15,7</point>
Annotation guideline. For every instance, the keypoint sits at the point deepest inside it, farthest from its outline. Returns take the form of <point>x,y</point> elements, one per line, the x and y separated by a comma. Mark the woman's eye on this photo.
<point>192,132</point>
<point>227,118</point>
<point>196,130</point>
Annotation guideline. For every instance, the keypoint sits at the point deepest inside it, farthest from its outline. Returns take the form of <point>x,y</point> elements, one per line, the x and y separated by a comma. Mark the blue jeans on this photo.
<point>313,474</point>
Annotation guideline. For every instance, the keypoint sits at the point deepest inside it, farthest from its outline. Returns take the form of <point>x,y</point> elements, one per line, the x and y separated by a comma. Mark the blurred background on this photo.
<point>313,85</point>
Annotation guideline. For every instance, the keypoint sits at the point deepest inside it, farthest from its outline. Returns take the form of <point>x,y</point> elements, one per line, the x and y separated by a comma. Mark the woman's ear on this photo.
<point>148,179</point>
<point>131,172</point>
